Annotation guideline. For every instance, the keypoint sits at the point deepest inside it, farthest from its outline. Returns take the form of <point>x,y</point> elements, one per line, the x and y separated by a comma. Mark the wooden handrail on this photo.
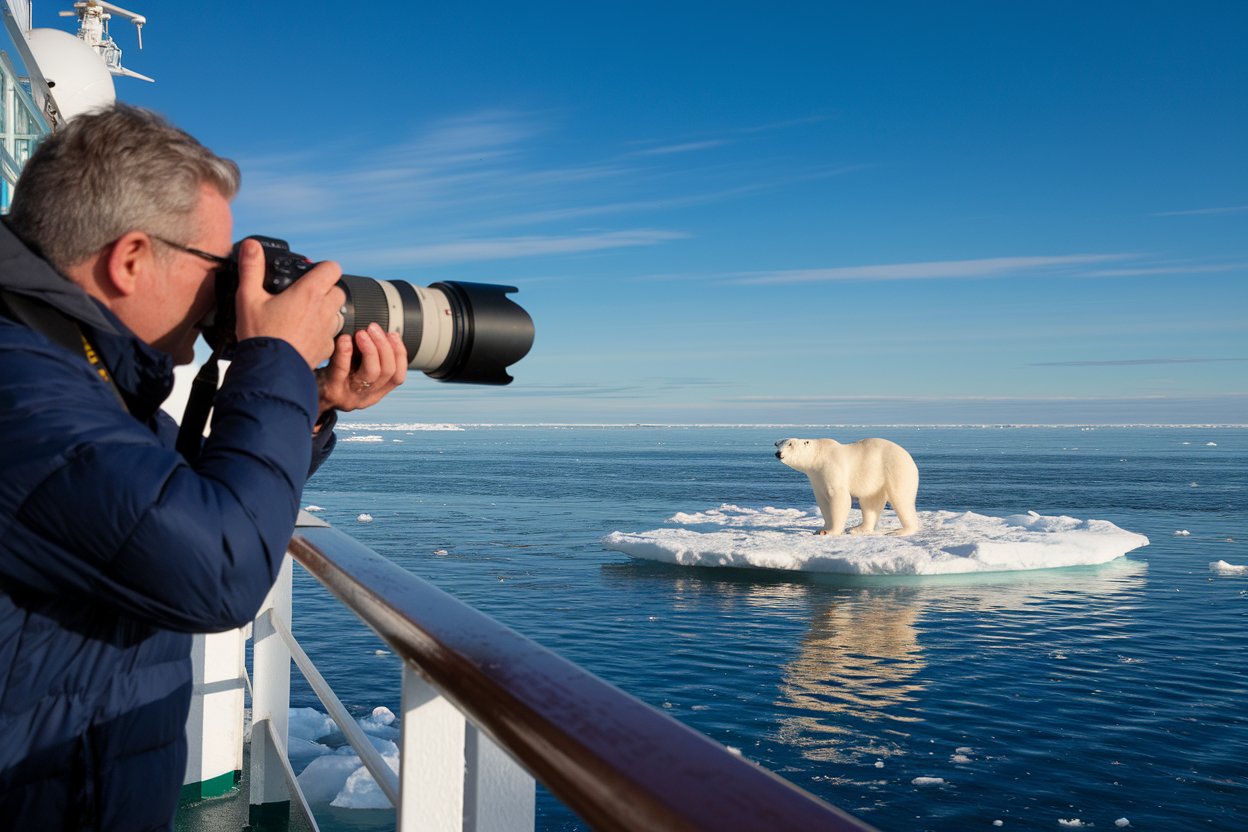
<point>615,761</point>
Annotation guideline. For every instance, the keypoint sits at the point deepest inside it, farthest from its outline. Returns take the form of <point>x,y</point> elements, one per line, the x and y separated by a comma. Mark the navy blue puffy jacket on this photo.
<point>113,550</point>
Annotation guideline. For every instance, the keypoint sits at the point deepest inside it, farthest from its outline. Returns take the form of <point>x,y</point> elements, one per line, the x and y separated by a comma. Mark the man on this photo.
<point>113,548</point>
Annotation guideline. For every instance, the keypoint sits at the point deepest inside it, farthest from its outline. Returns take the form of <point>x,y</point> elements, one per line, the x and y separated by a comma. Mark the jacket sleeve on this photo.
<point>123,520</point>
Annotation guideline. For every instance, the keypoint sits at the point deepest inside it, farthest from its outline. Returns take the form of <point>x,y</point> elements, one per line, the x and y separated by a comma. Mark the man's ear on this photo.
<point>131,257</point>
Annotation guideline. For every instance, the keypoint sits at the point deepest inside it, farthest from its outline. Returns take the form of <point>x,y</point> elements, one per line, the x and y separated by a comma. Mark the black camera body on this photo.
<point>453,331</point>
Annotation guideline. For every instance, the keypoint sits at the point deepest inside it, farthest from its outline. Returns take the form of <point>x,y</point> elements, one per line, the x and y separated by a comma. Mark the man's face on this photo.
<point>180,296</point>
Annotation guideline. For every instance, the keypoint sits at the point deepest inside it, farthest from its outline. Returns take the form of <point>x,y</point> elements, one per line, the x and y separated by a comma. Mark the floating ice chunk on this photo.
<point>1073,823</point>
<point>1121,822</point>
<point>1182,533</point>
<point>879,764</point>
<point>381,652</point>
<point>360,791</point>
<point>928,781</point>
<point>440,552</point>
<point>998,823</point>
<point>949,543</point>
<point>302,751</point>
<point>324,777</point>
<point>1211,444</point>
<point>960,758</point>
<point>372,437</point>
<point>365,518</point>
<point>312,508</point>
<point>380,724</point>
<point>1193,485</point>
<point>309,724</point>
<point>964,749</point>
<point>1221,567</point>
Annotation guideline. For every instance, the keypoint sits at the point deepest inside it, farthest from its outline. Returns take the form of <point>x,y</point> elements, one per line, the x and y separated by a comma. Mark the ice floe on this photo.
<point>1221,567</point>
<point>950,542</point>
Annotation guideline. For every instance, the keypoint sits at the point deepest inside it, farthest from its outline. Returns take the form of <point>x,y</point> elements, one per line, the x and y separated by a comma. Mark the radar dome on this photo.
<point>76,73</point>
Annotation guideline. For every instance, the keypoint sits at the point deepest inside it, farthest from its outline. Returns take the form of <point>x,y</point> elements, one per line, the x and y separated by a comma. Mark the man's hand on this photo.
<point>382,367</point>
<point>306,315</point>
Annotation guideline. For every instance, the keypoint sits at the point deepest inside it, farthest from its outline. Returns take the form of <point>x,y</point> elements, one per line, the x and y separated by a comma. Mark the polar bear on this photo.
<point>873,470</point>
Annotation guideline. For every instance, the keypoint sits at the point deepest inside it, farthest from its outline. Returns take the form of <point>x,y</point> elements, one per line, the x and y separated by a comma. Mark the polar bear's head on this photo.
<point>798,454</point>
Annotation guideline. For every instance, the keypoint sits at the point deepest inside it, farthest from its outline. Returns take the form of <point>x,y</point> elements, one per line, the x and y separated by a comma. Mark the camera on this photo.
<point>453,331</point>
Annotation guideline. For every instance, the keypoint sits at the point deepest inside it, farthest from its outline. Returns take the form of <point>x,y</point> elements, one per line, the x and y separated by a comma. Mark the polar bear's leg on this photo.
<point>903,504</point>
<point>871,507</point>
<point>837,512</point>
<point>823,496</point>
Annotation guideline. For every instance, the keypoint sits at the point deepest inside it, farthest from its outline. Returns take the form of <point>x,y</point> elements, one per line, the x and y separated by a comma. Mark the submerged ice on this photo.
<point>950,542</point>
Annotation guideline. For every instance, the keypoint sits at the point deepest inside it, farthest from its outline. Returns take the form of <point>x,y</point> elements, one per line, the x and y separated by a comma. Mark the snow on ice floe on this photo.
<point>372,437</point>
<point>1228,570</point>
<point>950,542</point>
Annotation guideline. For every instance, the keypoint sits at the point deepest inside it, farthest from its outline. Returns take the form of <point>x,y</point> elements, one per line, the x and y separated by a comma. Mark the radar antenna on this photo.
<point>93,17</point>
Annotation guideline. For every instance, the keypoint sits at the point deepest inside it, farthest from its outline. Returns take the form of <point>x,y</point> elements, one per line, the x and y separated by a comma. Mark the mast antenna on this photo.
<point>93,17</point>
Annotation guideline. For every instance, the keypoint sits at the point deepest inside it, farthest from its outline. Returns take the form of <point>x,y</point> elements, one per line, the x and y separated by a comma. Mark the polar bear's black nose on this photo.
<point>778,455</point>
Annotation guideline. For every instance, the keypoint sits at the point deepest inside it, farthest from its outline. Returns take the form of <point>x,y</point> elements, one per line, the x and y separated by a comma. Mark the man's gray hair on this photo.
<point>110,172</point>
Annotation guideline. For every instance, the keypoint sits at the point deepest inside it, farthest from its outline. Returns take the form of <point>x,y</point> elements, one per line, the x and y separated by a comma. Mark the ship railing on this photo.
<point>485,712</point>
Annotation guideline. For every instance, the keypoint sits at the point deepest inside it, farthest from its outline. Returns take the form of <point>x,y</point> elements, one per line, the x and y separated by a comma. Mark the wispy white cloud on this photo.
<point>686,147</point>
<point>1204,212</point>
<point>1176,268</point>
<point>500,248</point>
<point>979,268</point>
<point>440,194</point>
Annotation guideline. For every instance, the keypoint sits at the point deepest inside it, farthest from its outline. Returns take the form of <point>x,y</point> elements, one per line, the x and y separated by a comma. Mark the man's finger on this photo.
<point>400,357</point>
<point>323,278</point>
<point>370,363</point>
<point>250,268</point>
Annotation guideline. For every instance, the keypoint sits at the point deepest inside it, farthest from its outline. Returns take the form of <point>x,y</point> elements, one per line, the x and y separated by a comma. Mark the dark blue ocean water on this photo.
<point>1095,693</point>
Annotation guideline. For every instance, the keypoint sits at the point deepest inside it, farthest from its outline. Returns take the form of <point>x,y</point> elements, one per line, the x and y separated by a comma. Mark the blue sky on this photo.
<point>732,213</point>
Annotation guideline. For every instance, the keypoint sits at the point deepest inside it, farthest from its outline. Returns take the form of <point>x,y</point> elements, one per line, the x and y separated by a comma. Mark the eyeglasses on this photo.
<point>212,258</point>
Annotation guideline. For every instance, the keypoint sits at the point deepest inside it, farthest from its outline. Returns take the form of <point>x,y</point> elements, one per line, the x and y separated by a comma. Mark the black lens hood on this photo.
<point>491,333</point>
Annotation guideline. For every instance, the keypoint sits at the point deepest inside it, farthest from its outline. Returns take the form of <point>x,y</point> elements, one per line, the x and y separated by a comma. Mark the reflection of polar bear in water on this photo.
<point>873,470</point>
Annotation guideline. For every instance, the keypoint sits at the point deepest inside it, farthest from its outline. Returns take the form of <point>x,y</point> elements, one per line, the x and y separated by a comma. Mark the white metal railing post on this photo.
<point>270,696</point>
<point>431,777</point>
<point>499,795</point>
